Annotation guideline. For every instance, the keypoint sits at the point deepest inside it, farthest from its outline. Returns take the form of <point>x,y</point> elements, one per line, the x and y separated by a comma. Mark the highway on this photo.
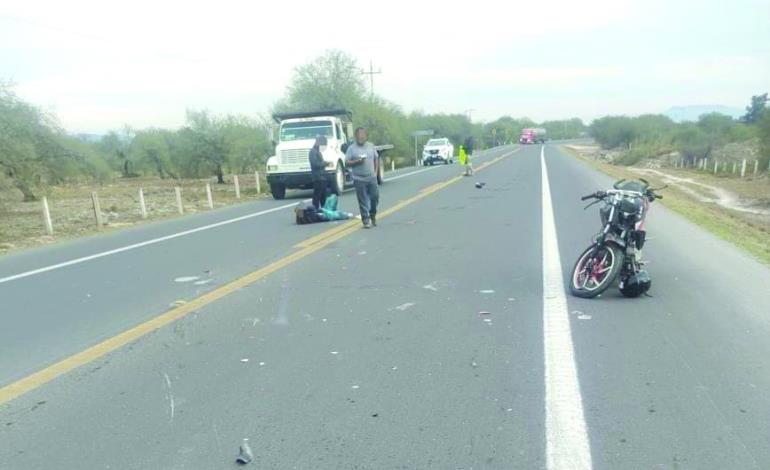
<point>441,339</point>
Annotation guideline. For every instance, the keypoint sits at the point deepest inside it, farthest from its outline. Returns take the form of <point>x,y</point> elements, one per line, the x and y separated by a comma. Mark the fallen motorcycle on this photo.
<point>617,249</point>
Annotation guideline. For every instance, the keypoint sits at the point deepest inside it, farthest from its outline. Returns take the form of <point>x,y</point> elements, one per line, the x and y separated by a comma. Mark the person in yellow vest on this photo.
<point>465,161</point>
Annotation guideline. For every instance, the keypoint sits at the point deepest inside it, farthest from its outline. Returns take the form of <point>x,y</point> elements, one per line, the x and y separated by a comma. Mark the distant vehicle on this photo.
<point>289,168</point>
<point>438,150</point>
<point>532,135</point>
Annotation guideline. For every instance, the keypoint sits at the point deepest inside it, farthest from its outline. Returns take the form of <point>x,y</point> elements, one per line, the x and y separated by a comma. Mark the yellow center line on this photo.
<point>307,247</point>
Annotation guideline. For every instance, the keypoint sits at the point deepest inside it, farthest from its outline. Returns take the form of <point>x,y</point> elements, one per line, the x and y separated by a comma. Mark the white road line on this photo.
<point>166,238</point>
<point>567,446</point>
<point>141,244</point>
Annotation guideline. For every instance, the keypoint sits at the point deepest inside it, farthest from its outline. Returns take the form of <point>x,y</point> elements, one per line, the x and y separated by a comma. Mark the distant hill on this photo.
<point>692,113</point>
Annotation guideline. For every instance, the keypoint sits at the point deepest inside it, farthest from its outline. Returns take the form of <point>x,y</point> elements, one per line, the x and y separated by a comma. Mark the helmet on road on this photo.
<point>636,285</point>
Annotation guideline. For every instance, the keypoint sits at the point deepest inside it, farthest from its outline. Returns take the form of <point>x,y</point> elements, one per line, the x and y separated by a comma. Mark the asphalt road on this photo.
<point>372,352</point>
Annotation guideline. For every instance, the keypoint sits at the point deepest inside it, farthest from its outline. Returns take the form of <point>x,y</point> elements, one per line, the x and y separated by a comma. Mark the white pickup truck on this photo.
<point>438,150</point>
<point>289,168</point>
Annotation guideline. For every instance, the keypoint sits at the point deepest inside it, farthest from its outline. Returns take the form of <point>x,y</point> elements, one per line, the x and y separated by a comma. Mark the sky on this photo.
<point>100,65</point>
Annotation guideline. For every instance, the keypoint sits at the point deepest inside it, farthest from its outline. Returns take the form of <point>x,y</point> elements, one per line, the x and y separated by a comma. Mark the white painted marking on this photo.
<point>567,446</point>
<point>405,306</point>
<point>172,236</point>
<point>142,244</point>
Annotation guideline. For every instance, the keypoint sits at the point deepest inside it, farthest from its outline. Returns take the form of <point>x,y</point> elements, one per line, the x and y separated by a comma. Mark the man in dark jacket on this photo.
<point>318,171</point>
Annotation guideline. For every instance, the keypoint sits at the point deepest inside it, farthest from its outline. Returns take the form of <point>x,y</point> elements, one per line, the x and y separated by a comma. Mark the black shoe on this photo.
<point>374,221</point>
<point>367,224</point>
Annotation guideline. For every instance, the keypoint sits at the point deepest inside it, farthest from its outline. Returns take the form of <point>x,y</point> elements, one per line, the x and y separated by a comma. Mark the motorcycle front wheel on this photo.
<point>596,269</point>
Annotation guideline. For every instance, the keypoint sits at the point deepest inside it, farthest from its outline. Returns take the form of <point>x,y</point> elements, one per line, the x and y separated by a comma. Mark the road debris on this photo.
<point>480,185</point>
<point>245,455</point>
<point>334,352</point>
<point>484,312</point>
<point>486,291</point>
<point>361,253</point>
<point>355,387</point>
<point>187,279</point>
<point>245,359</point>
<point>430,286</point>
<point>177,303</point>
<point>261,363</point>
<point>405,306</point>
<point>584,317</point>
<point>488,320</point>
<point>203,282</point>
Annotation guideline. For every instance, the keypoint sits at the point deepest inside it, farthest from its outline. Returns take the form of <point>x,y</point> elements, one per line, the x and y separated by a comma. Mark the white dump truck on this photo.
<point>289,168</point>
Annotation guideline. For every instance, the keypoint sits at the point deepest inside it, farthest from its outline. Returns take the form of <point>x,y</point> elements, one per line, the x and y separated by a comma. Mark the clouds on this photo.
<point>143,62</point>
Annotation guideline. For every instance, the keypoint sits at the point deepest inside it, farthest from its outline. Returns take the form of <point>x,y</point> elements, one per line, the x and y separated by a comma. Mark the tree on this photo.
<point>331,81</point>
<point>763,125</point>
<point>115,146</point>
<point>34,151</point>
<point>208,143</point>
<point>755,110</point>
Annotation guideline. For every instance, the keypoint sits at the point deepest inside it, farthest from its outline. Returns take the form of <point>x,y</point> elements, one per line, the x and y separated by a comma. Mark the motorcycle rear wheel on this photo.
<point>597,268</point>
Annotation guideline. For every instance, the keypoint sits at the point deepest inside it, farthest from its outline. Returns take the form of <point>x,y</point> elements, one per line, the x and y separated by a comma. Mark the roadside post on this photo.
<point>743,168</point>
<point>735,167</point>
<point>392,164</point>
<point>179,207</point>
<point>237,187</point>
<point>416,134</point>
<point>716,167</point>
<point>257,184</point>
<point>756,166</point>
<point>142,205</point>
<point>97,209</point>
<point>209,200</point>
<point>47,217</point>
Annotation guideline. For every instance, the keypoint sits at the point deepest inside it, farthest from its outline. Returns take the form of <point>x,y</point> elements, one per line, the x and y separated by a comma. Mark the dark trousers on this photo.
<point>368,195</point>
<point>319,193</point>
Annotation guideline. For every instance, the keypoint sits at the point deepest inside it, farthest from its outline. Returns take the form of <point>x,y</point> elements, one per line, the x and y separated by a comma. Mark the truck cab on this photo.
<point>532,136</point>
<point>289,168</point>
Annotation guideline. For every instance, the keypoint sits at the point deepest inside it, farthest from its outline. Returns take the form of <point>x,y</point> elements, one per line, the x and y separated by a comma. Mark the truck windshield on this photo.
<point>305,130</point>
<point>436,142</point>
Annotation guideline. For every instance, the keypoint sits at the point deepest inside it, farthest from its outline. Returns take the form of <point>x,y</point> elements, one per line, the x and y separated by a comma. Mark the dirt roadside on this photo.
<point>735,209</point>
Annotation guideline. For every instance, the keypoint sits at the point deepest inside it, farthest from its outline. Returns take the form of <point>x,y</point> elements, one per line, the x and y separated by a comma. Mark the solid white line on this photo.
<point>168,237</point>
<point>141,244</point>
<point>567,446</point>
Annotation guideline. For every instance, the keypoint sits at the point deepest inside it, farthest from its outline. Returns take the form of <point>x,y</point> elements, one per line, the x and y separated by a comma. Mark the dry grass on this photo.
<point>72,211</point>
<point>751,232</point>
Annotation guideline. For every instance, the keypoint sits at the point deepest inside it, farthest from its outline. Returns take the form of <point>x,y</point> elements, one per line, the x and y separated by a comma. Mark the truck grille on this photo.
<point>294,157</point>
<point>433,152</point>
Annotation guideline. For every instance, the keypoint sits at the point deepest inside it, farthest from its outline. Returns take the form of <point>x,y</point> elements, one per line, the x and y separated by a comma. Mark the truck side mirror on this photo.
<point>349,130</point>
<point>344,147</point>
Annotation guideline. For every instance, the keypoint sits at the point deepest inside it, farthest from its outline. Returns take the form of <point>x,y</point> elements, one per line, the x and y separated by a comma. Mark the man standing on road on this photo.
<point>468,144</point>
<point>318,171</point>
<point>362,158</point>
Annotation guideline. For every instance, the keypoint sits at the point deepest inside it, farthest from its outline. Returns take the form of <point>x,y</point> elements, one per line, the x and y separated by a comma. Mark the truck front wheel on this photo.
<point>338,185</point>
<point>278,190</point>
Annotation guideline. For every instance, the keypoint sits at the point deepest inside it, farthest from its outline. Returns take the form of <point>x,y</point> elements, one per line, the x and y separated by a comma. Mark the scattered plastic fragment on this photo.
<point>487,291</point>
<point>323,320</point>
<point>245,455</point>
<point>394,368</point>
<point>484,312</point>
<point>511,299</point>
<point>334,352</point>
<point>177,303</point>
<point>186,279</point>
<point>245,359</point>
<point>361,253</point>
<point>480,185</point>
<point>375,415</point>
<point>430,286</point>
<point>262,363</point>
<point>584,317</point>
<point>355,387</point>
<point>203,282</point>
<point>405,306</point>
<point>487,320</point>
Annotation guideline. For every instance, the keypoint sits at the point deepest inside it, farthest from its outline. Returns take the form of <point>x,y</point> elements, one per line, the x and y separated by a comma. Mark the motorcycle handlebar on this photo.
<point>596,195</point>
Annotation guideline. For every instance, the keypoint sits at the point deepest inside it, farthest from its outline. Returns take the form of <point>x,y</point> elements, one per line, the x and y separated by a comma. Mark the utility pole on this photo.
<point>371,74</point>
